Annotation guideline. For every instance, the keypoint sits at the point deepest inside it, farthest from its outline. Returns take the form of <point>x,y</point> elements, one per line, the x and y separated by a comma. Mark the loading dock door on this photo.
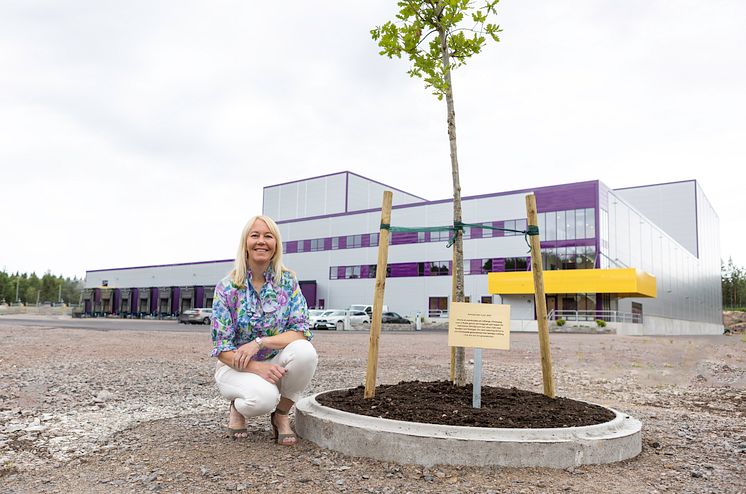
<point>308,288</point>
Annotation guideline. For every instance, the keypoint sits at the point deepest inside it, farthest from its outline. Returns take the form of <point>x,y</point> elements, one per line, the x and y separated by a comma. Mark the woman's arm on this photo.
<point>240,359</point>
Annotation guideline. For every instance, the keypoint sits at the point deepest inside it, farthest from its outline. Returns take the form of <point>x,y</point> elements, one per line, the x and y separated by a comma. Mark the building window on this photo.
<point>352,272</point>
<point>516,264</point>
<point>590,223</point>
<point>439,268</point>
<point>561,225</point>
<point>300,246</point>
<point>374,239</point>
<point>420,237</point>
<point>487,266</point>
<point>442,236</point>
<point>437,307</point>
<point>333,273</point>
<point>335,243</point>
<point>509,225</point>
<point>354,241</point>
<point>317,244</point>
<point>372,270</point>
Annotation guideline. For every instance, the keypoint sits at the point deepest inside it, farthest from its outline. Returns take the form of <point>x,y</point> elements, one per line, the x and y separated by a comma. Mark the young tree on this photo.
<point>433,35</point>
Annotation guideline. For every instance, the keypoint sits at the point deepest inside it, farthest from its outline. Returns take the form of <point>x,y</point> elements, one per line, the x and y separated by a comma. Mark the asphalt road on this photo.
<point>103,324</point>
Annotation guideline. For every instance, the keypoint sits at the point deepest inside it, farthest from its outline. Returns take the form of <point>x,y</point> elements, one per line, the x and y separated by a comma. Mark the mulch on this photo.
<point>440,402</point>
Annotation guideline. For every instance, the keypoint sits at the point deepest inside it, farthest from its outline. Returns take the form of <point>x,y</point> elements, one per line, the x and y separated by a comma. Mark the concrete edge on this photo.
<point>430,444</point>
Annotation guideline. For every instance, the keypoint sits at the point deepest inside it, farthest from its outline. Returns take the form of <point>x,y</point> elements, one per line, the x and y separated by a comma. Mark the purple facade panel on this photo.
<point>306,245</point>
<point>96,295</point>
<point>328,243</point>
<point>403,269</point>
<point>199,296</point>
<point>475,266</point>
<point>365,271</point>
<point>498,233</point>
<point>175,299</point>
<point>398,238</point>
<point>476,232</point>
<point>153,299</point>
<point>292,247</point>
<point>570,196</point>
<point>342,242</point>
<point>117,301</point>
<point>498,265</point>
<point>134,299</point>
<point>88,306</point>
<point>341,272</point>
<point>365,242</point>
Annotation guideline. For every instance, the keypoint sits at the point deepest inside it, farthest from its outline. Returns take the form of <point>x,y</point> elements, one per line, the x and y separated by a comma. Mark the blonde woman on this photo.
<point>260,334</point>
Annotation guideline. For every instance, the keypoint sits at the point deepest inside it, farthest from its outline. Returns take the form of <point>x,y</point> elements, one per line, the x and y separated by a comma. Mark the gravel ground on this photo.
<point>132,411</point>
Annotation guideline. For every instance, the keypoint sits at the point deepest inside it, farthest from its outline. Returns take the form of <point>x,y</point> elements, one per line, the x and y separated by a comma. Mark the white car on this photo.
<point>313,317</point>
<point>335,319</point>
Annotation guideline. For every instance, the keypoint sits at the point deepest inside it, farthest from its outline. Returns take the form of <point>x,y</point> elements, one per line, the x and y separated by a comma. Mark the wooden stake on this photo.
<point>375,323</point>
<point>541,302</point>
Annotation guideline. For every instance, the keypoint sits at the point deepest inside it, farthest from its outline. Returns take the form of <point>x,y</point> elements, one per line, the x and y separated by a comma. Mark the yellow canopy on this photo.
<point>628,282</point>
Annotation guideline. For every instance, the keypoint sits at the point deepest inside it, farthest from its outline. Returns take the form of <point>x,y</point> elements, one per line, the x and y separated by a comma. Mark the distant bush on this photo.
<point>560,322</point>
<point>600,323</point>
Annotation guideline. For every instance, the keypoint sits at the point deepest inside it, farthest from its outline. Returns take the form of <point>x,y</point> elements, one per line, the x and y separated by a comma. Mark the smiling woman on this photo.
<point>261,334</point>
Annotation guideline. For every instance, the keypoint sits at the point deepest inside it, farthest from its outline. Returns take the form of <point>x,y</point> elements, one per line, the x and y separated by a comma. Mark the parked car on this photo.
<point>368,309</point>
<point>313,318</point>
<point>335,319</point>
<point>200,315</point>
<point>394,318</point>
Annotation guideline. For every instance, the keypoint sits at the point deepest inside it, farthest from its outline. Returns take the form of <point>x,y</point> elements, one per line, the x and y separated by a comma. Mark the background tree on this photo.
<point>49,287</point>
<point>733,283</point>
<point>433,35</point>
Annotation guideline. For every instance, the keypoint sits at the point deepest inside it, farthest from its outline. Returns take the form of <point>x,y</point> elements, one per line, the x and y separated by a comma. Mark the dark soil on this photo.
<point>440,402</point>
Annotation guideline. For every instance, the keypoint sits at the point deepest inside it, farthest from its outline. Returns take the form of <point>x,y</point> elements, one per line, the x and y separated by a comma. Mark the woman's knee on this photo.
<point>255,404</point>
<point>302,353</point>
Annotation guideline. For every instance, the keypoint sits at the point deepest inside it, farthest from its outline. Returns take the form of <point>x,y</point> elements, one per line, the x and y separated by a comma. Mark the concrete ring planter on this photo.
<point>431,444</point>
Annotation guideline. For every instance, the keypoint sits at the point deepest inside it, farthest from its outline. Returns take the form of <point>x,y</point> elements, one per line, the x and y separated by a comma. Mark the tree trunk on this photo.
<point>460,374</point>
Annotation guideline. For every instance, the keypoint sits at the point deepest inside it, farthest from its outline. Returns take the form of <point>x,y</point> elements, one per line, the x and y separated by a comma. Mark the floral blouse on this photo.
<point>239,315</point>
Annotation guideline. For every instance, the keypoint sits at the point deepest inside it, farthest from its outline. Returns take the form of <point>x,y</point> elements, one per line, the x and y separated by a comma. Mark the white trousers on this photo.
<point>253,395</point>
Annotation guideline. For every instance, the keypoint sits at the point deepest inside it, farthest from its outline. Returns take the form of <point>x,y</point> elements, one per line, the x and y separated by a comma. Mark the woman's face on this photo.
<point>260,243</point>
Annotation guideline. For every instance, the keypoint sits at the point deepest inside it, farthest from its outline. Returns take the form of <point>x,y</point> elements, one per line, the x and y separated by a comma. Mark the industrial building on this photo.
<point>646,258</point>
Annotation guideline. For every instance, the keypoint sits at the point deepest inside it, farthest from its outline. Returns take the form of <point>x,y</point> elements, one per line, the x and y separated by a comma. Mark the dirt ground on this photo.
<point>131,412</point>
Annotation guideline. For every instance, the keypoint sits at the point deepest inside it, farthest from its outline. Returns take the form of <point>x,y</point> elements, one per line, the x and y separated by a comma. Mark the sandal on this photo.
<point>281,438</point>
<point>235,432</point>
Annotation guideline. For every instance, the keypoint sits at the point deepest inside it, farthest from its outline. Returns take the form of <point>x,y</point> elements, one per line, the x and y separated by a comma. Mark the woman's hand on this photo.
<point>268,371</point>
<point>243,354</point>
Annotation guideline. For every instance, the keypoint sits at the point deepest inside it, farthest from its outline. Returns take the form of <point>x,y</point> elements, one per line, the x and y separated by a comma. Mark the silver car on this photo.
<point>200,315</point>
<point>335,319</point>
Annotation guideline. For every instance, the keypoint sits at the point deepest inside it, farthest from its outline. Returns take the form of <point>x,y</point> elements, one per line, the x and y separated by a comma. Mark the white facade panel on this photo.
<point>306,198</point>
<point>672,206</point>
<point>207,273</point>
<point>366,194</point>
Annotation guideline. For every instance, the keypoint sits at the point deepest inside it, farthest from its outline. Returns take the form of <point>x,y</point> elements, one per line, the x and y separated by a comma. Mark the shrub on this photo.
<point>600,323</point>
<point>560,322</point>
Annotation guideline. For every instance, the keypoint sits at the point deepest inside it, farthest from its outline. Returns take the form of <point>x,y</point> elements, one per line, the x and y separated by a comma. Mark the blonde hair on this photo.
<point>241,265</point>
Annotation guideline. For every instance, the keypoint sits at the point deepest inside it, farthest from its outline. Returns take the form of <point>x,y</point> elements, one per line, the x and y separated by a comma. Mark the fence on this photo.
<point>592,315</point>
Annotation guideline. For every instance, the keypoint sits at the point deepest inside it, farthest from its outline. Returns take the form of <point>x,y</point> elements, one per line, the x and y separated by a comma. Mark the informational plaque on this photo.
<point>479,325</point>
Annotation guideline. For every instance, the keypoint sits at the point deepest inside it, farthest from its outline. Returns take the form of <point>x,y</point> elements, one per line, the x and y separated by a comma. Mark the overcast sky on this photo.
<point>142,132</point>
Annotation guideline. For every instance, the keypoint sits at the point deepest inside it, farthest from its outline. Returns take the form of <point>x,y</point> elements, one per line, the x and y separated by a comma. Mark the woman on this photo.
<point>260,334</point>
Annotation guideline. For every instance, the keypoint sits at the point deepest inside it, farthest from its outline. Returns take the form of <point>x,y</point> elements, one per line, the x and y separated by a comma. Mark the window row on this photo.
<point>580,257</point>
<point>432,268</point>
<point>554,225</point>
